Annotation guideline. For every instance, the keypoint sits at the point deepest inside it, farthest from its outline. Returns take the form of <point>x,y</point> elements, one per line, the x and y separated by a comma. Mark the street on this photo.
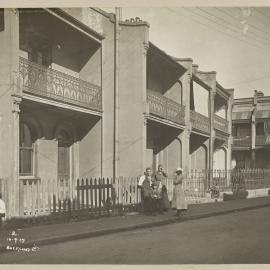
<point>241,237</point>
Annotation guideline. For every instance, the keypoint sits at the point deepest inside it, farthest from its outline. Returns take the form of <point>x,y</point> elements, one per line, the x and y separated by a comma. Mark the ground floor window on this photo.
<point>26,150</point>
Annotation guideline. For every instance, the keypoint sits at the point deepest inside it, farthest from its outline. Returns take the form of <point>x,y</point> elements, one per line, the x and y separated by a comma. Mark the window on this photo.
<point>240,161</point>
<point>39,50</point>
<point>26,150</point>
<point>260,129</point>
<point>39,57</point>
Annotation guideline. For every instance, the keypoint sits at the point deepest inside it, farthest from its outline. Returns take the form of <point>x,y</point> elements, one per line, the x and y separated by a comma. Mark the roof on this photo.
<point>167,56</point>
<point>101,11</point>
<point>227,92</point>
<point>76,22</point>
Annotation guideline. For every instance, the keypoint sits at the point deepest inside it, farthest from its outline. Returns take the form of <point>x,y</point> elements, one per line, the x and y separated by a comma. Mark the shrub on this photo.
<point>238,187</point>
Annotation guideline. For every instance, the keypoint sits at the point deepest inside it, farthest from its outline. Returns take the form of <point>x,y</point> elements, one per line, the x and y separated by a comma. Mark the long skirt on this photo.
<point>178,200</point>
<point>165,199</point>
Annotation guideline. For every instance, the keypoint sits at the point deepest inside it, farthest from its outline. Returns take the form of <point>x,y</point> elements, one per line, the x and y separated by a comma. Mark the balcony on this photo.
<point>221,124</point>
<point>200,122</point>
<point>165,108</point>
<point>46,82</point>
<point>242,141</point>
<point>262,140</point>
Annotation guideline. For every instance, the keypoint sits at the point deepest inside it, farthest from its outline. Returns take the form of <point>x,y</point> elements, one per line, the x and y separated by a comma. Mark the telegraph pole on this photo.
<point>116,102</point>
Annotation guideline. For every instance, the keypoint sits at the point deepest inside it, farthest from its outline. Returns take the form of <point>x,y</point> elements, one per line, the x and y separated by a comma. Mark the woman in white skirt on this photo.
<point>178,200</point>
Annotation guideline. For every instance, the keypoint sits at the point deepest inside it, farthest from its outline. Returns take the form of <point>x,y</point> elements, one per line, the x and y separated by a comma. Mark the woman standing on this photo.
<point>160,176</point>
<point>147,192</point>
<point>178,201</point>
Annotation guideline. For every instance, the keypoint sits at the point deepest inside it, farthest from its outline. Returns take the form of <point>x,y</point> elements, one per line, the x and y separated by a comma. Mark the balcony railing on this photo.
<point>200,122</point>
<point>262,140</point>
<point>165,107</point>
<point>46,82</point>
<point>221,124</point>
<point>242,141</point>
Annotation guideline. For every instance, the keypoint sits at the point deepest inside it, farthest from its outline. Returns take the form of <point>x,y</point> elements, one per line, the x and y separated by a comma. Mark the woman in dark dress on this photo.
<point>160,176</point>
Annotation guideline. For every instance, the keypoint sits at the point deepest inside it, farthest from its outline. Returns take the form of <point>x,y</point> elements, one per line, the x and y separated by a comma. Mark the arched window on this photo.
<point>27,138</point>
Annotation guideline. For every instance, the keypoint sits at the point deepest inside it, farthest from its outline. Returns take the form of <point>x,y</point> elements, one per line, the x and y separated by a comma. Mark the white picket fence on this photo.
<point>44,196</point>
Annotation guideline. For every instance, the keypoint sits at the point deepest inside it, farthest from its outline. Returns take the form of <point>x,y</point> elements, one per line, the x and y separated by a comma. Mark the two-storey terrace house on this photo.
<point>83,94</point>
<point>251,131</point>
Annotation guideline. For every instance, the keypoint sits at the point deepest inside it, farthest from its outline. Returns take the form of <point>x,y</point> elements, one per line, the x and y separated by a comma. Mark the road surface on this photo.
<point>242,237</point>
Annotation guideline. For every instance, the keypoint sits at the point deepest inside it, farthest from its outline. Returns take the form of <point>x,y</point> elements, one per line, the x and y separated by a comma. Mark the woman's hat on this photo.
<point>179,169</point>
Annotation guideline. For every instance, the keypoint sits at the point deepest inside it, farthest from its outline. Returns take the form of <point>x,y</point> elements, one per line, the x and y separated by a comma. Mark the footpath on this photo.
<point>55,233</point>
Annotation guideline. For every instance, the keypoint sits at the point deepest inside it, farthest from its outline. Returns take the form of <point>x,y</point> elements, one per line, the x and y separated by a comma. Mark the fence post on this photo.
<point>99,197</point>
<point>78,195</point>
<point>136,191</point>
<point>74,204</point>
<point>21,198</point>
<point>69,207</point>
<point>117,187</point>
<point>91,193</point>
<point>114,193</point>
<point>87,193</point>
<point>54,203</point>
<point>125,190</point>
<point>104,194</point>
<point>108,196</point>
<point>64,205</point>
<point>48,188</point>
<point>43,195</point>
<point>33,192</point>
<point>95,192</point>
<point>38,189</point>
<point>82,193</point>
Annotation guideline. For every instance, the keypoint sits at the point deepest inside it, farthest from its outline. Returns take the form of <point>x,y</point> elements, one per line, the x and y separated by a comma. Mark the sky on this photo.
<point>233,41</point>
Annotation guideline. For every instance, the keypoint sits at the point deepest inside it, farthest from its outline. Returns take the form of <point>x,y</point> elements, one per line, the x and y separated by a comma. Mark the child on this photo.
<point>157,196</point>
<point>2,211</point>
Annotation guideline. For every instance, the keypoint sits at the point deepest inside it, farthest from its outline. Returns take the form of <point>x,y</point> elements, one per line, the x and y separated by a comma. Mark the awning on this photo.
<point>244,115</point>
<point>263,114</point>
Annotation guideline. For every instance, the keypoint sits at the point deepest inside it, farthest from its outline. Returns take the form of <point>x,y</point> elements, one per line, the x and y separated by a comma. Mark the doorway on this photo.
<point>64,163</point>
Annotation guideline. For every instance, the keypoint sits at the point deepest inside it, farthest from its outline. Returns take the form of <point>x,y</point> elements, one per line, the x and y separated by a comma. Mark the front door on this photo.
<point>63,161</point>
<point>64,145</point>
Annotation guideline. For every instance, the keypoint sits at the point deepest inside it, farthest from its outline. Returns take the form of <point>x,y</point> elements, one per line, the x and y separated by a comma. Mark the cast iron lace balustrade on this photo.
<point>200,122</point>
<point>165,107</point>
<point>262,140</point>
<point>242,141</point>
<point>221,124</point>
<point>47,82</point>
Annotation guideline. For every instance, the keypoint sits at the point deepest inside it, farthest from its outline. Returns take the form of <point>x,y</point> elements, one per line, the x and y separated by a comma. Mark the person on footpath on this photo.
<point>160,176</point>
<point>178,201</point>
<point>140,182</point>
<point>157,196</point>
<point>2,212</point>
<point>147,191</point>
